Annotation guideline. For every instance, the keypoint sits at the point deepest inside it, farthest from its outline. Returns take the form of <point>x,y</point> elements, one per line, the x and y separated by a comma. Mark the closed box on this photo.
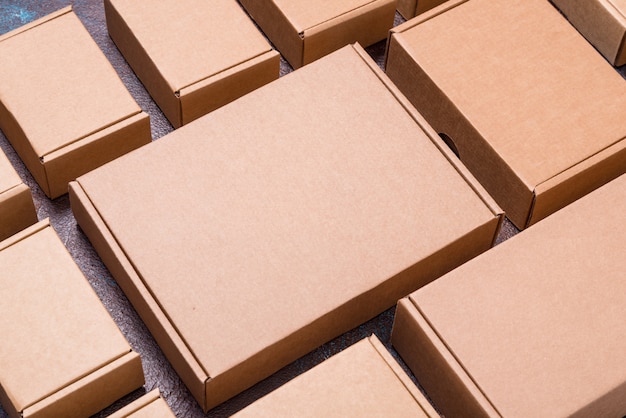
<point>304,31</point>
<point>61,353</point>
<point>364,380</point>
<point>62,105</point>
<point>150,405</point>
<point>17,210</point>
<point>192,56</point>
<point>602,22</point>
<point>412,8</point>
<point>535,326</point>
<point>257,233</point>
<point>534,142</point>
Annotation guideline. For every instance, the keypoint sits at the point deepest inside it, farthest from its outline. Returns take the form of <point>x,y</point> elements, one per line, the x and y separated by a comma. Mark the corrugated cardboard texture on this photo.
<point>412,8</point>
<point>62,105</point>
<point>151,405</point>
<point>517,134</point>
<point>175,46</point>
<point>306,31</point>
<point>57,336</point>
<point>324,199</point>
<point>17,210</point>
<point>533,327</point>
<point>363,380</point>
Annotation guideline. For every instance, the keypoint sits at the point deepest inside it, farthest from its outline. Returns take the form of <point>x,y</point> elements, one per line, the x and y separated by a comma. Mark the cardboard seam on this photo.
<point>38,22</point>
<point>339,17</point>
<point>620,12</point>
<point>21,236</point>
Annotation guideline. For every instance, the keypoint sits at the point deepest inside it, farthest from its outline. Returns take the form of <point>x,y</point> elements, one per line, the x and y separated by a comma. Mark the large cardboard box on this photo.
<point>192,56</point>
<point>150,405</point>
<point>276,223</point>
<point>412,8</point>
<point>62,105</point>
<point>17,210</point>
<point>304,31</point>
<point>535,326</point>
<point>61,353</point>
<point>602,22</point>
<point>364,380</point>
<point>534,142</point>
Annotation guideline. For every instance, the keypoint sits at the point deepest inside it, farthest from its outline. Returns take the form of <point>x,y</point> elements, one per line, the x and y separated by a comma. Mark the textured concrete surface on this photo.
<point>158,371</point>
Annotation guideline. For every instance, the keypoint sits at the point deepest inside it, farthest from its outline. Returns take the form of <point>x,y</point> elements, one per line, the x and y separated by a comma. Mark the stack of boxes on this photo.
<point>286,212</point>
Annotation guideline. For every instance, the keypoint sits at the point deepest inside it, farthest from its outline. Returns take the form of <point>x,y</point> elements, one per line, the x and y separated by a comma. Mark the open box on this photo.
<point>363,380</point>
<point>534,142</point>
<point>62,105</point>
<point>257,233</point>
<point>533,327</point>
<point>61,353</point>
<point>304,31</point>
<point>17,210</point>
<point>192,56</point>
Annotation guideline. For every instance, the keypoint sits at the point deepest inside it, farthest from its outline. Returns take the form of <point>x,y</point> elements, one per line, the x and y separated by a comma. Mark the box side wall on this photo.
<point>277,28</point>
<point>95,150</point>
<point>474,151</point>
<point>411,8</point>
<point>444,380</point>
<point>94,392</point>
<point>216,91</point>
<point>17,211</point>
<point>122,270</point>
<point>145,69</point>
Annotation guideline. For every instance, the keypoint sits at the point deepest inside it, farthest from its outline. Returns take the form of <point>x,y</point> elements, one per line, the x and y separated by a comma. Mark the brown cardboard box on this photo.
<point>364,380</point>
<point>193,56</point>
<point>304,31</point>
<point>257,233</point>
<point>61,353</point>
<point>602,22</point>
<point>533,141</point>
<point>17,210</point>
<point>150,405</point>
<point>412,8</point>
<point>535,326</point>
<point>62,105</point>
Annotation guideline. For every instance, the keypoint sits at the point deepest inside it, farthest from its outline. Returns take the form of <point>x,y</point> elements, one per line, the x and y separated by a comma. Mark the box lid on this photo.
<point>288,203</point>
<point>305,15</point>
<point>150,405</point>
<point>8,176</point>
<point>181,37</point>
<point>541,316</point>
<point>55,329</point>
<point>363,380</point>
<point>58,85</point>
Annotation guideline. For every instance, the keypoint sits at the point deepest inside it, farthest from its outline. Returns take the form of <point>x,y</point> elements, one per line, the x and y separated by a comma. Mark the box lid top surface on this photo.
<point>155,409</point>
<point>492,59</point>
<point>285,204</point>
<point>191,40</point>
<point>58,85</point>
<point>8,176</point>
<point>306,14</point>
<point>55,328</point>
<point>542,313</point>
<point>355,382</point>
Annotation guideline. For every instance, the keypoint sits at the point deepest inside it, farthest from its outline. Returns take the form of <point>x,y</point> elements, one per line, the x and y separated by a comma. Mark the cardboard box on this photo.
<point>602,22</point>
<point>61,353</point>
<point>363,380</point>
<point>535,143</point>
<point>17,210</point>
<point>150,405</point>
<point>304,31</point>
<point>192,56</point>
<point>257,233</point>
<point>533,327</point>
<point>412,8</point>
<point>62,105</point>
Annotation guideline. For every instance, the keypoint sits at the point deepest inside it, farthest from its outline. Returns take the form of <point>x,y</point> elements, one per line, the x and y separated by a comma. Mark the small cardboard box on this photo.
<point>192,56</point>
<point>150,405</point>
<point>257,233</point>
<point>602,22</point>
<point>61,353</point>
<point>364,380</point>
<point>17,210</point>
<point>62,105</point>
<point>412,8</point>
<point>534,142</point>
<point>304,31</point>
<point>535,326</point>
